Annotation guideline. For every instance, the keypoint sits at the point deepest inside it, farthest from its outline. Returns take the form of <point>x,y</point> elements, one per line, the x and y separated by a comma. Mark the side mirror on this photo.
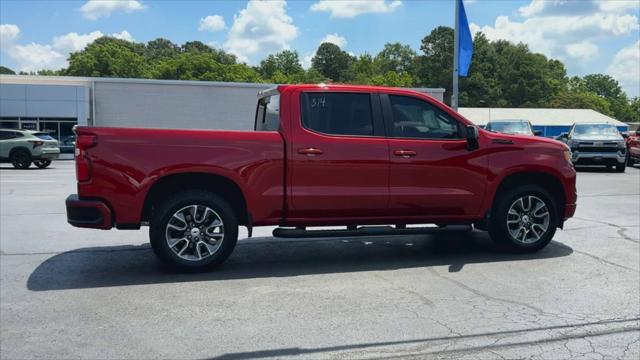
<point>563,136</point>
<point>471,134</point>
<point>624,134</point>
<point>537,132</point>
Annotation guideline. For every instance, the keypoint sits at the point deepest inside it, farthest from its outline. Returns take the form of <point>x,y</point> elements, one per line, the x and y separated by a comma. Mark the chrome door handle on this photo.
<point>310,151</point>
<point>405,153</point>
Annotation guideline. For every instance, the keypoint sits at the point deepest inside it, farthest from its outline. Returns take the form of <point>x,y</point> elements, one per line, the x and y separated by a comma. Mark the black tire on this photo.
<point>42,163</point>
<point>165,211</point>
<point>630,160</point>
<point>499,231</point>
<point>621,168</point>
<point>20,159</point>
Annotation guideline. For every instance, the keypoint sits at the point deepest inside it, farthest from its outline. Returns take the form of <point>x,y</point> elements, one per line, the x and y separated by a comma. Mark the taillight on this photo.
<point>83,164</point>
<point>36,143</point>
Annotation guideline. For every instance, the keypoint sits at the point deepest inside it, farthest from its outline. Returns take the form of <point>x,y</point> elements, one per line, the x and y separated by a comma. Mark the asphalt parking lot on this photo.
<point>74,293</point>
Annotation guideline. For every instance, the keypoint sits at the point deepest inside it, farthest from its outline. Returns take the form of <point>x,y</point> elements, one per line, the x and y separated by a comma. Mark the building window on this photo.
<point>9,123</point>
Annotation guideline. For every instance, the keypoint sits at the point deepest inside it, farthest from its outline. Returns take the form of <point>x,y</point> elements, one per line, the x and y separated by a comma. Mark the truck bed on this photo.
<point>126,162</point>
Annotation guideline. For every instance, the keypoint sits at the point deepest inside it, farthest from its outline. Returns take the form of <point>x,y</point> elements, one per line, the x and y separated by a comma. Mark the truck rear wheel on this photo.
<point>193,230</point>
<point>524,219</point>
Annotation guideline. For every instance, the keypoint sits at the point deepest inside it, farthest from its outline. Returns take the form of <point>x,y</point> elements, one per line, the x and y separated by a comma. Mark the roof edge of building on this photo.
<point>75,80</point>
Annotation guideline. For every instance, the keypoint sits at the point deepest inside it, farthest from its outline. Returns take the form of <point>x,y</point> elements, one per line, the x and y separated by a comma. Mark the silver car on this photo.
<point>22,147</point>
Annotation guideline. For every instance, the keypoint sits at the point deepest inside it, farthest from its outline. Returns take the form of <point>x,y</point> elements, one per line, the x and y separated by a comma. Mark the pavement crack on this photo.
<point>487,296</point>
<point>604,261</point>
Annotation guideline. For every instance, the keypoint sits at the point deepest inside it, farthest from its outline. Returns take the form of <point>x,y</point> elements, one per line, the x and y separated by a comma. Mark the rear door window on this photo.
<point>337,113</point>
<point>268,114</point>
<point>43,136</point>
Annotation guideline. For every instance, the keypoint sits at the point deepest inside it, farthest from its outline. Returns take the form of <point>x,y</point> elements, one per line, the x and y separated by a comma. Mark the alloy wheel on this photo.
<point>195,232</point>
<point>528,219</point>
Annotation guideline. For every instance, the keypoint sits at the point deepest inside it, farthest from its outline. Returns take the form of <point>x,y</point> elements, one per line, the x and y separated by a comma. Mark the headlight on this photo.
<point>622,145</point>
<point>567,155</point>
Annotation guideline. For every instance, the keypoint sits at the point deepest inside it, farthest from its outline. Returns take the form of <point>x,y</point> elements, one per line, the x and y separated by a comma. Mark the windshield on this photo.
<point>595,129</point>
<point>511,127</point>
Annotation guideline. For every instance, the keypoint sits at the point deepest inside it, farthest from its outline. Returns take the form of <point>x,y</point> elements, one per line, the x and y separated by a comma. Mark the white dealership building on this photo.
<point>54,104</point>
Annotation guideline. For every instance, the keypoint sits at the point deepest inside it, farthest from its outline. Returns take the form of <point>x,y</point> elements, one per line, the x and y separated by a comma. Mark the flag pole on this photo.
<point>456,44</point>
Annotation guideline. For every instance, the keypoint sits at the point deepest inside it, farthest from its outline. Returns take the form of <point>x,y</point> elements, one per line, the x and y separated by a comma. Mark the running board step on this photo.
<point>363,231</point>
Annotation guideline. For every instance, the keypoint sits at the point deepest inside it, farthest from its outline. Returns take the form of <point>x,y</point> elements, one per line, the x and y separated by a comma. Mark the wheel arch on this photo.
<point>19,148</point>
<point>546,180</point>
<point>218,184</point>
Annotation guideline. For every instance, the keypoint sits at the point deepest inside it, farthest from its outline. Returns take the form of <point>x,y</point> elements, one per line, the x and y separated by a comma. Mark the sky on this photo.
<point>589,36</point>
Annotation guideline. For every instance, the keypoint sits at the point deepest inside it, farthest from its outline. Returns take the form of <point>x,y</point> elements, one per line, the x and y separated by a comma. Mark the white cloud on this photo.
<point>625,68</point>
<point>73,41</point>
<point>34,56</point>
<point>260,28</point>
<point>335,39</point>
<point>349,9</point>
<point>560,29</point>
<point>212,23</point>
<point>619,5</point>
<point>583,51</point>
<point>8,34</point>
<point>123,35</point>
<point>95,9</point>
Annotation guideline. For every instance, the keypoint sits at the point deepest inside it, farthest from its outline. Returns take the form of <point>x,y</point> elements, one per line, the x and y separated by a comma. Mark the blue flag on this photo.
<point>465,42</point>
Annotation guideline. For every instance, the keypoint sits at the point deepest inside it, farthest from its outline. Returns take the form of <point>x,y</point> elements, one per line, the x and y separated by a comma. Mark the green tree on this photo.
<point>187,66</point>
<point>286,64</point>
<point>634,109</point>
<point>396,57</point>
<point>109,57</point>
<point>581,100</point>
<point>392,78</point>
<point>6,71</point>
<point>435,66</point>
<point>160,49</point>
<point>332,62</point>
<point>609,89</point>
<point>363,69</point>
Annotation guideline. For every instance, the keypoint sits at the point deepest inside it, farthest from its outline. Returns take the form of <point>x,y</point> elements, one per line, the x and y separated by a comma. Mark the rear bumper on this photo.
<point>47,154</point>
<point>93,214</point>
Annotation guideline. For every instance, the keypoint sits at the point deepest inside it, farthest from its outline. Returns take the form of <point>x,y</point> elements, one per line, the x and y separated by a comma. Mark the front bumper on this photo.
<point>93,214</point>
<point>598,158</point>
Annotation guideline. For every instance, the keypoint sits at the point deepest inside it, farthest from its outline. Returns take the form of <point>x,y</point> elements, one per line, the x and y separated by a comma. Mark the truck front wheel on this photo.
<point>193,230</point>
<point>524,219</point>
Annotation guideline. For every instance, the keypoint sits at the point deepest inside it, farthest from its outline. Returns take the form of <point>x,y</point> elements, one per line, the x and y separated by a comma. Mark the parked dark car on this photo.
<point>512,127</point>
<point>596,144</point>
<point>67,144</point>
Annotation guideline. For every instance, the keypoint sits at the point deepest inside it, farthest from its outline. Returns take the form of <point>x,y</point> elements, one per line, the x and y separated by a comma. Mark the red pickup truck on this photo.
<point>322,155</point>
<point>633,147</point>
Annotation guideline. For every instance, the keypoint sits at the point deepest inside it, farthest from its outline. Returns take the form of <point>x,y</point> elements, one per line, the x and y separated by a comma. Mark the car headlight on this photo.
<point>622,145</point>
<point>567,155</point>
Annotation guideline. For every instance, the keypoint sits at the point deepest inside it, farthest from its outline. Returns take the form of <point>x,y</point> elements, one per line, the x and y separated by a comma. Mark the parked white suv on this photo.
<point>22,147</point>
